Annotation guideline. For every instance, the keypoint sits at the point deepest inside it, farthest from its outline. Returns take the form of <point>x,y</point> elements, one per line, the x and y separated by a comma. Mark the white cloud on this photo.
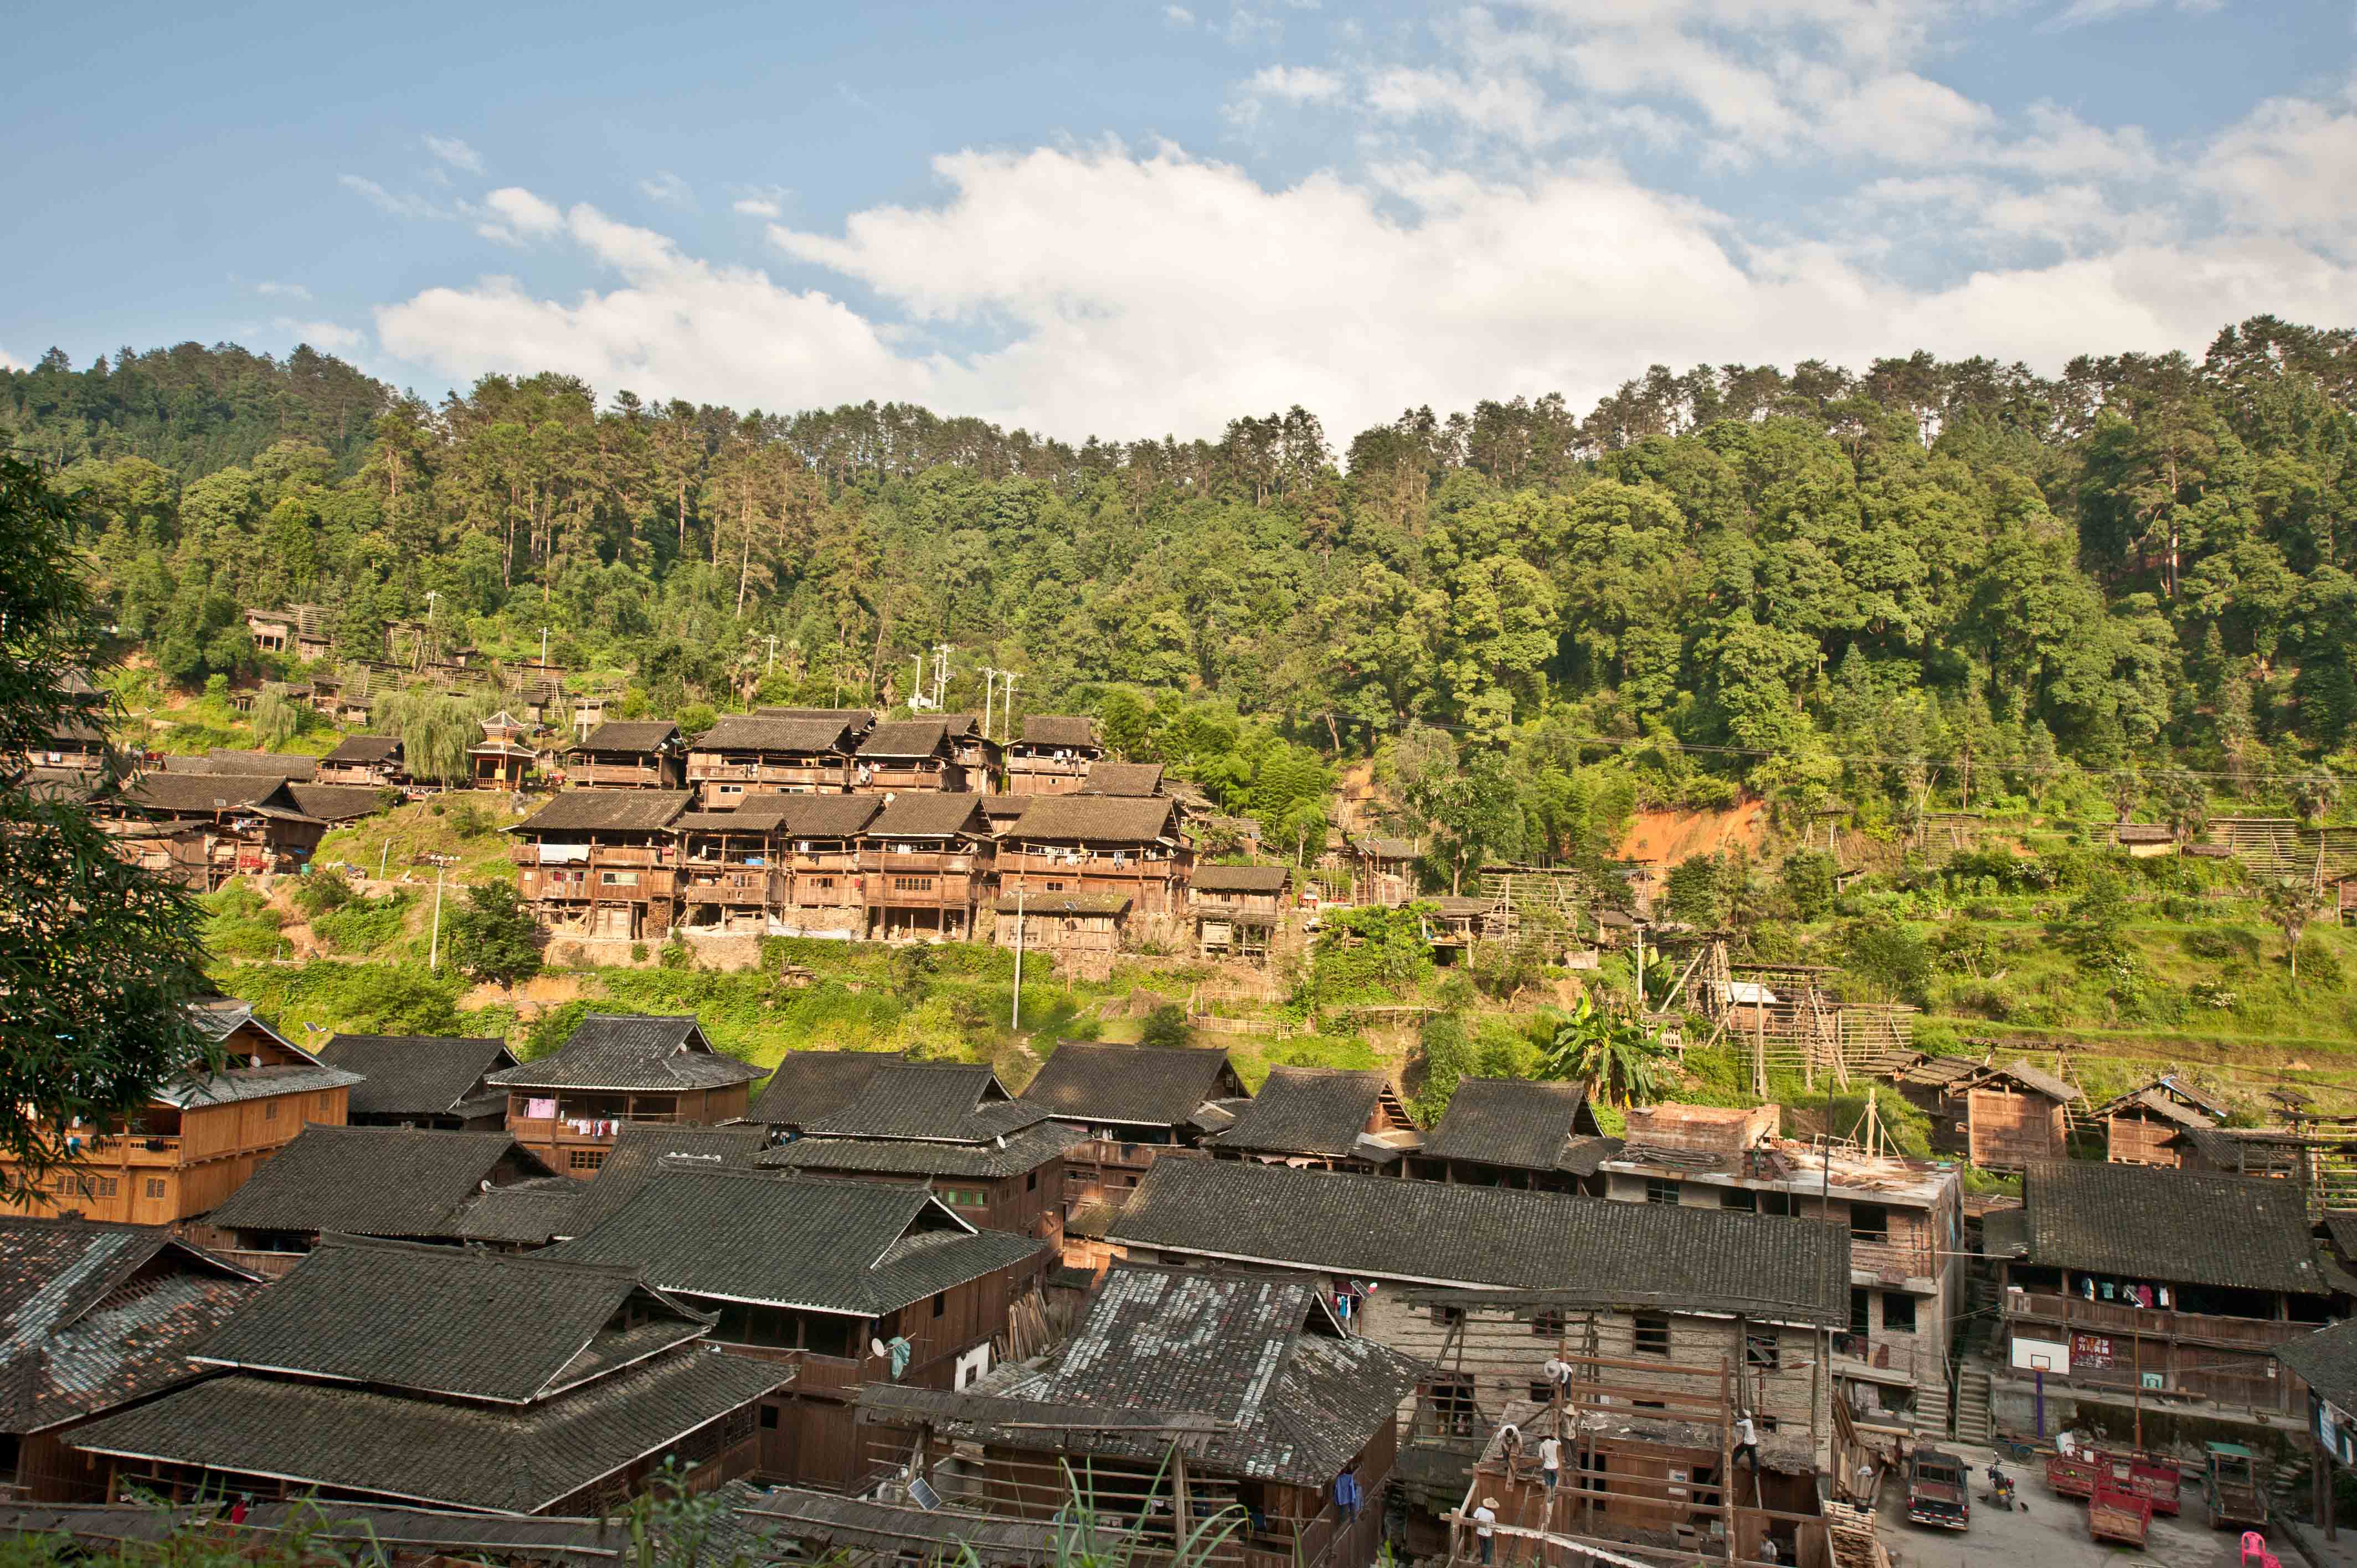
<point>282,290</point>
<point>1178,16</point>
<point>403,205</point>
<point>673,326</point>
<point>518,216</point>
<point>325,335</point>
<point>1301,83</point>
<point>2079,13</point>
<point>668,188</point>
<point>2289,166</point>
<point>454,152</point>
<point>757,207</point>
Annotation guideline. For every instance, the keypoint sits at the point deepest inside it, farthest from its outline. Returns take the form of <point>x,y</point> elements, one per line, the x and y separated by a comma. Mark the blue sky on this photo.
<point>1138,218</point>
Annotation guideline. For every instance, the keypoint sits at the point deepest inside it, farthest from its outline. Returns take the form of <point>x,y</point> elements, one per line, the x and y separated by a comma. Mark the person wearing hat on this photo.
<point>1484,1518</point>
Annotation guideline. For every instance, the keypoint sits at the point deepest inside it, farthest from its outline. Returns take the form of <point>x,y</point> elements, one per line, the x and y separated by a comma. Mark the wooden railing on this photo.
<point>2151,1323</point>
<point>698,886</point>
<point>699,771</point>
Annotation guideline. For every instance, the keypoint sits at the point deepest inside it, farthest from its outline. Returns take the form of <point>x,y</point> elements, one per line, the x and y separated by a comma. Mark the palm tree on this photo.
<point>2292,903</point>
<point>1609,1050</point>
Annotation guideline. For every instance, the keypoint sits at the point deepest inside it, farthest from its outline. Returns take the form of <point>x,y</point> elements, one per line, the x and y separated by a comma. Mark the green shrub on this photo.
<point>323,892</point>
<point>363,925</point>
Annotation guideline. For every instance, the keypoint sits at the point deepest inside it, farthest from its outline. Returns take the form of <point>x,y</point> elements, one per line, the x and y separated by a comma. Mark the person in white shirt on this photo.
<point>1747,1442</point>
<point>1550,1461</point>
<point>1483,1518</point>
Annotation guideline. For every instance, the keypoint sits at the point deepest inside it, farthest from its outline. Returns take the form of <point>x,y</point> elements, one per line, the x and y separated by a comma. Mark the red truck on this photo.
<point>1938,1491</point>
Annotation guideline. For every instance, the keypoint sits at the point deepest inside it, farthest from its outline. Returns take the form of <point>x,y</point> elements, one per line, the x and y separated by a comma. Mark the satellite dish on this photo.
<point>876,1349</point>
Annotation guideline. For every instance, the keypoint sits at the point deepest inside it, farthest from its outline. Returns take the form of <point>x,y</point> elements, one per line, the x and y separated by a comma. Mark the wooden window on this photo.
<point>617,878</point>
<point>584,1159</point>
<point>154,1186</point>
<point>1446,1315</point>
<point>1031,1181</point>
<point>912,884</point>
<point>940,1303</point>
<point>270,1111</point>
<point>1898,1311</point>
<point>1546,1323</point>
<point>769,1418</point>
<point>1450,1406</point>
<point>1861,1305</point>
<point>1652,1336</point>
<point>1661,1189</point>
<point>1764,1351</point>
<point>107,1186</point>
<point>1740,1199</point>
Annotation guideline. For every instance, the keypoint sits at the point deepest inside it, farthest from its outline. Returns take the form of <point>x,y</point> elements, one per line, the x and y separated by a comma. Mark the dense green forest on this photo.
<point>1929,582</point>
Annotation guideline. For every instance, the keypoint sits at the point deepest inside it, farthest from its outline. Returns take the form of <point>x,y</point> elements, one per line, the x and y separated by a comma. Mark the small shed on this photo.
<point>2010,1115</point>
<point>2142,1126</point>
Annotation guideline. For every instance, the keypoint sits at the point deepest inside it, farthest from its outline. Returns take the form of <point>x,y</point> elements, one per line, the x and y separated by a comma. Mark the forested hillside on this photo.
<point>1926,580</point>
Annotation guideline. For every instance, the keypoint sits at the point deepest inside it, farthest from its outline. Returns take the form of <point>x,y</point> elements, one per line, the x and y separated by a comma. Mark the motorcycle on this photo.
<point>2001,1494</point>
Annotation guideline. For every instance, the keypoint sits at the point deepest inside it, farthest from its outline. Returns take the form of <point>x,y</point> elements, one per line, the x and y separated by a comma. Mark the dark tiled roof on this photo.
<point>494,1327</point>
<point>763,732</point>
<point>255,1084</point>
<point>960,1102</point>
<point>643,1152</point>
<point>922,813</point>
<point>1295,1398</point>
<point>1309,1110</point>
<point>338,802</point>
<point>826,1528</point>
<point>205,793</point>
<point>1036,903</point>
<point>2327,1360</point>
<point>629,736</point>
<point>858,1247</point>
<point>525,1213</point>
<point>1123,778</point>
<point>1001,810</point>
<point>365,749</point>
<point>810,1085</point>
<point>1240,878</point>
<point>756,814</point>
<point>1383,848</point>
<point>828,816</point>
<point>2171,1226</point>
<point>2035,1078</point>
<point>613,810</point>
<point>266,764</point>
<point>982,1161</point>
<point>2160,1103</point>
<point>649,1052</point>
<point>374,1181</point>
<point>1139,1085</point>
<point>93,1315</point>
<point>855,719</point>
<point>2341,1224</point>
<point>1386,1228</point>
<point>1059,729</point>
<point>415,1075</point>
<point>465,1456</point>
<point>1510,1122</point>
<point>905,737</point>
<point>1096,819</point>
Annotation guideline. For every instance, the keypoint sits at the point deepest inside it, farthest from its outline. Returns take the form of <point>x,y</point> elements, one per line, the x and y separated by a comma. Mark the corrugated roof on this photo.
<point>609,810</point>
<point>415,1075</point>
<point>1703,1260</point>
<point>649,1052</point>
<point>1096,819</point>
<point>923,813</point>
<point>1123,778</point>
<point>1307,1111</point>
<point>374,1181</point>
<point>1515,1122</point>
<point>2171,1226</point>
<point>861,1248</point>
<point>775,734</point>
<point>1137,1085</point>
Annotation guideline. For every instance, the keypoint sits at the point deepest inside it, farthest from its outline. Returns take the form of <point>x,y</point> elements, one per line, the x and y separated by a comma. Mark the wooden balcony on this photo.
<point>133,1150</point>
<point>919,864</point>
<point>751,887</point>
<point>602,857</point>
<point>2114,1317</point>
<point>614,775</point>
<point>829,776</point>
<point>1109,1154</point>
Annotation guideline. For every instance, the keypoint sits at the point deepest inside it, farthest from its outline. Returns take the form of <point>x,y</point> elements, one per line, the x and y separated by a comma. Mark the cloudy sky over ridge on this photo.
<point>1130,219</point>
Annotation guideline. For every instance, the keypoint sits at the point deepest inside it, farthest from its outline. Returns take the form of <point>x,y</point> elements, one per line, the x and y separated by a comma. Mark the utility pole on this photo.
<point>917,691</point>
<point>426,655</point>
<point>1014,1016</point>
<point>772,667</point>
<point>989,694</point>
<point>433,943</point>
<point>1008,676</point>
<point>544,647</point>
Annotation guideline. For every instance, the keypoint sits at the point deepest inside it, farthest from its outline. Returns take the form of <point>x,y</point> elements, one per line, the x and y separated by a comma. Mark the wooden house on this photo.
<point>1325,1117</point>
<point>200,829</point>
<point>2342,892</point>
<point>2120,1278</point>
<point>530,1214</point>
<point>2144,841</point>
<point>613,1070</point>
<point>1132,1104</point>
<point>1516,1132</point>
<point>1082,931</point>
<point>1294,1421</point>
<point>339,805</point>
<point>365,759</point>
<point>748,754</point>
<point>951,1127</point>
<point>300,632</point>
<point>1485,1284</point>
<point>858,721</point>
<point>200,1136</point>
<point>423,1081</point>
<point>1382,870</point>
<point>2141,1127</point>
<point>731,873</point>
<point>820,845</point>
<point>401,1183</point>
<point>848,1283</point>
<point>907,755</point>
<point>504,758</point>
<point>1134,780</point>
<point>923,863</point>
<point>77,739</point>
<point>388,1372</point>
<point>1236,908</point>
<point>2004,1117</point>
<point>1099,843</point>
<point>1052,755</point>
<point>629,754</point>
<point>601,864</point>
<point>97,1318</point>
<point>983,759</point>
